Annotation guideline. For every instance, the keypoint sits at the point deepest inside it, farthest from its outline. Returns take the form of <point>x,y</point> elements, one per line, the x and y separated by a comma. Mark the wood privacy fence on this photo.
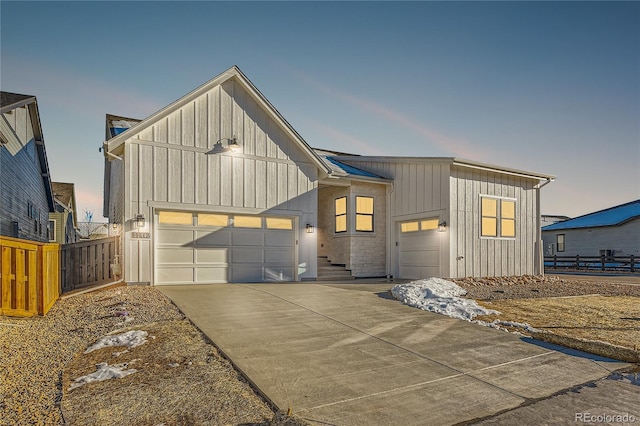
<point>87,263</point>
<point>603,263</point>
<point>29,276</point>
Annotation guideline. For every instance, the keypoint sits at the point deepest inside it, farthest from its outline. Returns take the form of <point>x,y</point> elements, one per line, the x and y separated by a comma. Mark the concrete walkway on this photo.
<point>349,355</point>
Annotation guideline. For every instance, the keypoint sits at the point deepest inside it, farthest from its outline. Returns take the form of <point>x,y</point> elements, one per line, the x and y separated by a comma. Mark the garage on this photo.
<point>201,248</point>
<point>419,249</point>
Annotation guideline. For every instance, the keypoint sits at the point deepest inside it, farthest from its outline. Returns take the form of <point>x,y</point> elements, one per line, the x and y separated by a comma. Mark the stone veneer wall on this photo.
<point>364,253</point>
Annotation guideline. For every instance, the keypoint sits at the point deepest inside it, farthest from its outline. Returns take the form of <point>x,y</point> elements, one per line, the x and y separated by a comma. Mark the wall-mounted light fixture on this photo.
<point>139,221</point>
<point>232,145</point>
<point>442,226</point>
<point>310,228</point>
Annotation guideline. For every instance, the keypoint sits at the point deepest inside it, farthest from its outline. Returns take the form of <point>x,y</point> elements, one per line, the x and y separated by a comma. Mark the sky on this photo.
<point>548,87</point>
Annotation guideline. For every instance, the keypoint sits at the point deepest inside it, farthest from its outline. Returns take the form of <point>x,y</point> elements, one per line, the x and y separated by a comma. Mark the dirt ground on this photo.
<point>181,378</point>
<point>601,316</point>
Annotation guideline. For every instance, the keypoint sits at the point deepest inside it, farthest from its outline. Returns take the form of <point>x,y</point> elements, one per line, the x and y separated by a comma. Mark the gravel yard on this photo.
<point>180,377</point>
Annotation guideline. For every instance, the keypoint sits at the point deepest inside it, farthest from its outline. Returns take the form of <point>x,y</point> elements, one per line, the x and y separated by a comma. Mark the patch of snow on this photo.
<point>439,296</point>
<point>443,297</point>
<point>130,339</point>
<point>103,371</point>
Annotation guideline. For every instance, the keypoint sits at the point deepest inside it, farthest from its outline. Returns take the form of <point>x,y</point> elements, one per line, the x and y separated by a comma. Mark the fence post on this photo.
<point>602,259</point>
<point>577,261</point>
<point>633,264</point>
<point>555,261</point>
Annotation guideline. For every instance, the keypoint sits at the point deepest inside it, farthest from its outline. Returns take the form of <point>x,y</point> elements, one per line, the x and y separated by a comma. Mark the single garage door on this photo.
<point>200,248</point>
<point>419,249</point>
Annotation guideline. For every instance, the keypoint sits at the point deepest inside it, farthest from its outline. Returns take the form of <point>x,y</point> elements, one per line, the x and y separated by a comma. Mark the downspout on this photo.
<point>539,227</point>
<point>390,245</point>
<point>117,265</point>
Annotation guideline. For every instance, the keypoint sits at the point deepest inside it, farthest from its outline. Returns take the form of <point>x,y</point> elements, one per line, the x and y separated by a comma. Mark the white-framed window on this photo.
<point>175,218</point>
<point>497,217</point>
<point>560,242</point>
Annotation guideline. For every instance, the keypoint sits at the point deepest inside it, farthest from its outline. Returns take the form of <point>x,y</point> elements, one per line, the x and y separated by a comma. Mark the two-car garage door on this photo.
<point>194,247</point>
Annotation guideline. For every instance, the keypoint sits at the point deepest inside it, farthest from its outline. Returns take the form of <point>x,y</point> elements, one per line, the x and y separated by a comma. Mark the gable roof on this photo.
<point>232,73</point>
<point>10,101</point>
<point>65,195</point>
<point>116,124</point>
<point>608,217</point>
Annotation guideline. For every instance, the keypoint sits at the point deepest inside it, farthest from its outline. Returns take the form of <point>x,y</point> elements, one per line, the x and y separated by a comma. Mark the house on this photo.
<point>219,187</point>
<point>610,232</point>
<point>26,195</point>
<point>548,219</point>
<point>92,230</point>
<point>63,223</point>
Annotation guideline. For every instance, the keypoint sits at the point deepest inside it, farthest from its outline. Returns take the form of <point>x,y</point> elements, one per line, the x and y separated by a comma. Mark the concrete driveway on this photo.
<point>350,355</point>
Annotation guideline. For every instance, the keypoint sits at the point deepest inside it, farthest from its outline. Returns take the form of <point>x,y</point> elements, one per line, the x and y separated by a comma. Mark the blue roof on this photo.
<point>350,170</point>
<point>609,217</point>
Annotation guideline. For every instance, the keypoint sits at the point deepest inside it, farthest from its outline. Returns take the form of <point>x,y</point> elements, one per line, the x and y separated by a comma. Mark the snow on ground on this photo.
<point>444,297</point>
<point>439,296</point>
<point>103,371</point>
<point>130,339</point>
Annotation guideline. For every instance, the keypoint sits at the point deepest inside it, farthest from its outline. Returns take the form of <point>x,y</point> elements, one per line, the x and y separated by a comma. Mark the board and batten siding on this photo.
<point>474,256</point>
<point>420,190</point>
<point>167,168</point>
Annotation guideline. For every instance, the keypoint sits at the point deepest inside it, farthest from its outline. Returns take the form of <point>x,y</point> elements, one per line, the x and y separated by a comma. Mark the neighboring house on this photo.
<point>92,230</point>
<point>219,187</point>
<point>63,223</point>
<point>26,196</point>
<point>548,219</point>
<point>611,232</point>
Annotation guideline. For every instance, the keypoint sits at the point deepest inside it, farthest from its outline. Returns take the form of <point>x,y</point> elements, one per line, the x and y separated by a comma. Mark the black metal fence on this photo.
<point>602,263</point>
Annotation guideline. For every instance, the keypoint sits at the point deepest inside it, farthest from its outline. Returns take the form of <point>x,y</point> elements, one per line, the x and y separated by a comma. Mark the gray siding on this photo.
<point>473,255</point>
<point>623,239</point>
<point>22,184</point>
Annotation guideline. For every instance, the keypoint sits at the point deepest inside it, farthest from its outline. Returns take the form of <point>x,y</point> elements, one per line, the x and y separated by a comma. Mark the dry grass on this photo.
<point>595,318</point>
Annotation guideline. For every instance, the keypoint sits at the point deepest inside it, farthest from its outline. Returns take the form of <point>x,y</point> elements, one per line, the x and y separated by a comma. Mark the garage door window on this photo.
<point>219,220</point>
<point>175,218</point>
<point>247,222</point>
<point>279,223</point>
<point>410,226</point>
<point>429,224</point>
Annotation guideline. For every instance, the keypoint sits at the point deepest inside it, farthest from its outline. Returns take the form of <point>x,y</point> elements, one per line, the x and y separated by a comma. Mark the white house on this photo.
<point>611,232</point>
<point>219,187</point>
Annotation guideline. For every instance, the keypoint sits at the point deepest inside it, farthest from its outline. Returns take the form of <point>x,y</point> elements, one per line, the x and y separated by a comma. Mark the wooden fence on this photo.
<point>29,276</point>
<point>87,263</point>
<point>603,263</point>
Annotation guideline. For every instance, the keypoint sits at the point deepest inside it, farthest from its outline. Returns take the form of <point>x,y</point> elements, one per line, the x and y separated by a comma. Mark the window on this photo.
<point>175,218</point>
<point>560,242</point>
<point>341,214</point>
<point>364,214</point>
<point>247,221</point>
<point>52,230</point>
<point>279,223</point>
<point>429,224</point>
<point>498,217</point>
<point>206,219</point>
<point>410,226</point>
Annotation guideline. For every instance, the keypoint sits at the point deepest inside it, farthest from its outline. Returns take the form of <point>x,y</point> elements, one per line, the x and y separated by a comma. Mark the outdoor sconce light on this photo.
<point>442,226</point>
<point>139,221</point>
<point>232,145</point>
<point>309,228</point>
